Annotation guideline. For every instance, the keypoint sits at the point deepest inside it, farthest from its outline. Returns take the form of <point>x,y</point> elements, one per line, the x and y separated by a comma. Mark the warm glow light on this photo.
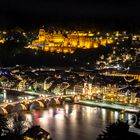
<point>56,42</point>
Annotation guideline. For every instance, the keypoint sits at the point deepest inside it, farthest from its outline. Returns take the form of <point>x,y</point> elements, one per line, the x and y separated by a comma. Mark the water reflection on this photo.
<point>103,111</point>
<point>116,116</point>
<point>74,122</point>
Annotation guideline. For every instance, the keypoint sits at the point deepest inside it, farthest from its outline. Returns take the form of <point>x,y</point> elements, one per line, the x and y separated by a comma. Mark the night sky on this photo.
<point>31,13</point>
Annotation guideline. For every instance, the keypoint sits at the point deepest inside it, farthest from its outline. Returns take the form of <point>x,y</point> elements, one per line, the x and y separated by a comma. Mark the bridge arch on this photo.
<point>52,102</point>
<point>72,99</point>
<point>69,99</point>
<point>36,105</point>
<point>45,102</point>
<point>19,107</point>
<point>9,108</point>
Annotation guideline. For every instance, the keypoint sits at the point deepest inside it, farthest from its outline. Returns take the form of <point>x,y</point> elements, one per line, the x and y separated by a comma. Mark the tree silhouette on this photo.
<point>37,133</point>
<point>118,131</point>
<point>20,125</point>
<point>3,125</point>
<point>19,130</point>
<point>136,120</point>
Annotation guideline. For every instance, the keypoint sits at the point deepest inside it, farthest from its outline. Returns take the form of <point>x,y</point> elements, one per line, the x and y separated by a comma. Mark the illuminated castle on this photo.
<point>57,42</point>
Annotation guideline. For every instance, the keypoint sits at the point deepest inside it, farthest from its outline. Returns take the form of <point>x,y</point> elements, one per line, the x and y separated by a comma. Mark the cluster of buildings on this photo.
<point>123,57</point>
<point>68,42</point>
<point>124,53</point>
<point>62,82</point>
<point>108,93</point>
<point>111,93</point>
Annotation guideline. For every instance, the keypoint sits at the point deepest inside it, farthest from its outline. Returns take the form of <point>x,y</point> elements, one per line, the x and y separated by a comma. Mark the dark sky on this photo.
<point>37,12</point>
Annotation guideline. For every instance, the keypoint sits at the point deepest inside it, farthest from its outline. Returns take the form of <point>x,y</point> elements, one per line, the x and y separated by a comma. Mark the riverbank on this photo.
<point>110,106</point>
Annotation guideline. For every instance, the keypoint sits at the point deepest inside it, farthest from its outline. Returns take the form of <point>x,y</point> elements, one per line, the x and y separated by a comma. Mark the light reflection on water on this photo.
<point>74,122</point>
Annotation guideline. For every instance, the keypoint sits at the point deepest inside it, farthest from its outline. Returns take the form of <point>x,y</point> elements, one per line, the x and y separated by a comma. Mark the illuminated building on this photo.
<point>2,41</point>
<point>87,90</point>
<point>57,42</point>
<point>78,89</point>
<point>133,98</point>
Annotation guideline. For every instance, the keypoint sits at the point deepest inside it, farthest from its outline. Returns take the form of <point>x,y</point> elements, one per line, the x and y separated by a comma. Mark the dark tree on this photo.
<point>136,120</point>
<point>37,133</point>
<point>3,125</point>
<point>118,131</point>
<point>20,125</point>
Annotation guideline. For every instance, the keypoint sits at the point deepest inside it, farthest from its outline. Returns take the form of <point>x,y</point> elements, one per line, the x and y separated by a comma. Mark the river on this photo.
<point>75,122</point>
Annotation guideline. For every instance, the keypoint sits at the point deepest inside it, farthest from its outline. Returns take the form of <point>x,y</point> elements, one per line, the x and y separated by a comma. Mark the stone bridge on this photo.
<point>38,103</point>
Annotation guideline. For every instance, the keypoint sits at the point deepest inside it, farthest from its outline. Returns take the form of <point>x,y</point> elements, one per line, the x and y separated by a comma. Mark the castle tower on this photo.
<point>42,35</point>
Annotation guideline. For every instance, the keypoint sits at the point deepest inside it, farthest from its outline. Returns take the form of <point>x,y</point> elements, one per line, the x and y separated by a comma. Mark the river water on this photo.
<point>75,122</point>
